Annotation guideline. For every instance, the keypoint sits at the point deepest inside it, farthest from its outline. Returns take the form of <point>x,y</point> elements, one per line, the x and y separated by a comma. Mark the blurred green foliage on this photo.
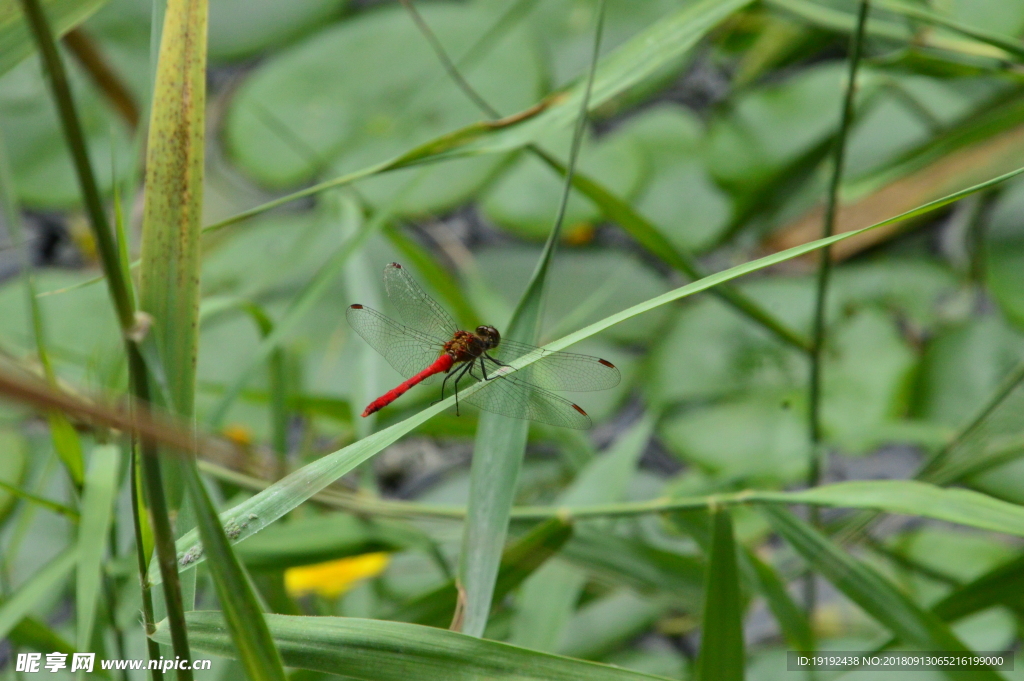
<point>725,151</point>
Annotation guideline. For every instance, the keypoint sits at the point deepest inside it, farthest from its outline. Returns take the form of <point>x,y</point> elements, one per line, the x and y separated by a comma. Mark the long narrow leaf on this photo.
<point>519,560</point>
<point>264,508</point>
<point>501,442</point>
<point>721,648</point>
<point>41,585</point>
<point>97,511</point>
<point>249,633</point>
<point>15,39</point>
<point>877,596</point>
<point>377,650</point>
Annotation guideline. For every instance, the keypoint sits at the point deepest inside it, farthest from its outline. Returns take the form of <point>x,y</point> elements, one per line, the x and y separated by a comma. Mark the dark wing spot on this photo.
<point>355,307</point>
<point>606,363</point>
<point>579,409</point>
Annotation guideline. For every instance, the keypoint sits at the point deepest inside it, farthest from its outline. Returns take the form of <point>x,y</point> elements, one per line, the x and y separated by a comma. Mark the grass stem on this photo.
<point>824,274</point>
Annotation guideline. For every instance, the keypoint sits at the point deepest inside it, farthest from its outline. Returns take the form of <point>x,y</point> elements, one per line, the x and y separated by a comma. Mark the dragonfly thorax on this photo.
<point>465,346</point>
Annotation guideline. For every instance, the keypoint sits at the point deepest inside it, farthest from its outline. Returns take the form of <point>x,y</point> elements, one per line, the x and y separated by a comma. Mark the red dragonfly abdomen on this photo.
<point>441,365</point>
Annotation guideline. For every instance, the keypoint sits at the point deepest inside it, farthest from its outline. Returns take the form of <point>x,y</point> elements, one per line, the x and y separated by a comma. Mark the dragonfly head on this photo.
<point>489,335</point>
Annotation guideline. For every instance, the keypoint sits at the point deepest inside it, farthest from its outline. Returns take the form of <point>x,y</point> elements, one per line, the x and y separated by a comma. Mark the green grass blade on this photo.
<point>501,442</point>
<point>251,638</point>
<point>1010,46</point>
<point>519,560</point>
<point>288,493</point>
<point>376,650</point>
<point>549,597</point>
<point>721,649</point>
<point>169,276</point>
<point>653,239</point>
<point>66,511</point>
<point>65,439</point>
<point>301,304</point>
<point>1003,585</point>
<point>961,506</point>
<point>15,38</point>
<point>98,498</point>
<point>629,64</point>
<point>876,595</point>
<point>41,585</point>
<point>792,620</point>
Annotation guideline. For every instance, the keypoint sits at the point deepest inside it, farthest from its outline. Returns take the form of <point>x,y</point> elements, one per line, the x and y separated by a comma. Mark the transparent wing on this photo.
<point>417,309</point>
<point>407,350</point>
<point>559,370</point>
<point>512,397</point>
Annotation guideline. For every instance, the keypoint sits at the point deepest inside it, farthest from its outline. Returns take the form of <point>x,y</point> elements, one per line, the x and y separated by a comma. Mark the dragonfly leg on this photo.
<point>461,373</point>
<point>483,364</point>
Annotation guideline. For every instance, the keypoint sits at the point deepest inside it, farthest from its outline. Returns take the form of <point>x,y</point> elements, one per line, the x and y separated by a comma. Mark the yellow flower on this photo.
<point>335,577</point>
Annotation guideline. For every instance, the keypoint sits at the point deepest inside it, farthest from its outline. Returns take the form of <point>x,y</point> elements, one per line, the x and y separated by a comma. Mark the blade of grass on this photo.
<point>169,274</point>
<point>252,641</point>
<point>721,649</point>
<point>500,442</point>
<point>377,650</point>
<point>549,597</point>
<point>41,585</point>
<point>792,621</point>
<point>65,439</point>
<point>612,206</point>
<point>876,595</point>
<point>1008,45</point>
<point>15,35</point>
<point>518,561</point>
<point>818,455</point>
<point>311,292</point>
<point>66,511</point>
<point>98,496</point>
<point>123,306</point>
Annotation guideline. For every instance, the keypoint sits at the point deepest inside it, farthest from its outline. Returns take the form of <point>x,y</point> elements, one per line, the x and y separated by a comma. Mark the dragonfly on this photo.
<point>430,344</point>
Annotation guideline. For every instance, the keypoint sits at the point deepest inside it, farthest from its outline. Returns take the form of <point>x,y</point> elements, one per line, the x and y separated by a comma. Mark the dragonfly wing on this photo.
<point>407,350</point>
<point>512,397</point>
<point>560,370</point>
<point>417,309</point>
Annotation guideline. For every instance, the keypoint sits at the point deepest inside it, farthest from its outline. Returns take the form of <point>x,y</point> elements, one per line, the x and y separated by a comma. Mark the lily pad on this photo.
<point>369,88</point>
<point>680,197</point>
<point>43,173</point>
<point>583,287</point>
<point>525,200</point>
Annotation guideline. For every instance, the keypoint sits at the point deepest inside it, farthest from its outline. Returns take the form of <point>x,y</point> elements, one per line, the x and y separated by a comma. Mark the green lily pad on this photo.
<point>771,126</point>
<point>1005,253</point>
<point>43,173</point>
<point>239,28</point>
<point>679,198</point>
<point>710,351</point>
<point>583,287</point>
<point>369,88</point>
<point>963,366</point>
<point>81,330</point>
<point>757,437</point>
<point>566,29</point>
<point>525,200</point>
